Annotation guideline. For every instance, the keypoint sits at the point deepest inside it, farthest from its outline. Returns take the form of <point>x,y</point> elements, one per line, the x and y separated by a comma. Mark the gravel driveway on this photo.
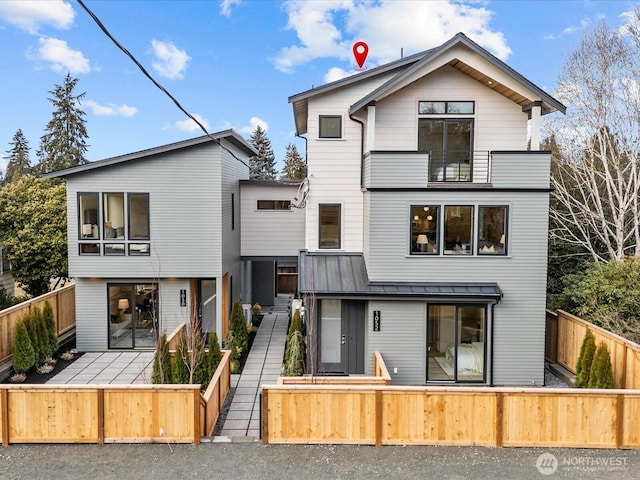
<point>240,461</point>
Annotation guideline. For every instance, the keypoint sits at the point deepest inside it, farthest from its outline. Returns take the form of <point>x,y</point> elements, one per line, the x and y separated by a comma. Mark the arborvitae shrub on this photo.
<point>24,356</point>
<point>42,339</point>
<point>296,323</point>
<point>162,362</point>
<point>601,371</point>
<point>215,354</point>
<point>239,326</point>
<point>585,360</point>
<point>179,370</point>
<point>294,363</point>
<point>50,325</point>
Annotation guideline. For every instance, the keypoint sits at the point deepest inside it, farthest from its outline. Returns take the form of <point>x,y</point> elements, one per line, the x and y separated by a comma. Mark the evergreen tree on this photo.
<point>180,370</point>
<point>294,166</point>
<point>19,164</point>
<point>601,372</point>
<point>50,325</point>
<point>239,326</point>
<point>263,165</point>
<point>23,357</point>
<point>161,362</point>
<point>64,143</point>
<point>585,360</point>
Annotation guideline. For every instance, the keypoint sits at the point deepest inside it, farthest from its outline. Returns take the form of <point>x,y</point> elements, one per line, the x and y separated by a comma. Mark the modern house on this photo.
<point>154,239</point>
<point>426,219</point>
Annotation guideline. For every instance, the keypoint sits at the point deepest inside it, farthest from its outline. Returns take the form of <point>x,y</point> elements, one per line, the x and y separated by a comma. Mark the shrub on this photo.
<point>294,363</point>
<point>239,326</point>
<point>215,354</point>
<point>41,339</point>
<point>24,356</point>
<point>601,371</point>
<point>162,362</point>
<point>296,323</point>
<point>50,327</point>
<point>179,369</point>
<point>585,360</point>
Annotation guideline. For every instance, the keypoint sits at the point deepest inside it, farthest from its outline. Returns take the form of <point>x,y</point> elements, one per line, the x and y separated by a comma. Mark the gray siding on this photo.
<point>274,233</point>
<point>401,339</point>
<point>92,309</point>
<point>520,169</point>
<point>185,215</point>
<point>396,169</point>
<point>519,318</point>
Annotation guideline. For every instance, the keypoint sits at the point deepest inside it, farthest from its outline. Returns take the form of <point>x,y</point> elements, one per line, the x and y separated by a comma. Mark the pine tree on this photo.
<point>263,165</point>
<point>601,371</point>
<point>19,163</point>
<point>294,166</point>
<point>585,360</point>
<point>23,357</point>
<point>64,143</point>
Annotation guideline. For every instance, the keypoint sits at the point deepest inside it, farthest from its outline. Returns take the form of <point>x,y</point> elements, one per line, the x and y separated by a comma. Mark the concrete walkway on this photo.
<point>263,366</point>
<point>120,368</point>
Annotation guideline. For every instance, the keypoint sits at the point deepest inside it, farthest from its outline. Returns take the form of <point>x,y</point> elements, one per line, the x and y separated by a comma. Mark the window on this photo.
<point>88,216</point>
<point>492,230</point>
<point>458,221</point>
<point>119,221</point>
<point>425,234</point>
<point>450,146</point>
<point>132,315</point>
<point>451,108</point>
<point>113,214</point>
<point>138,216</point>
<point>274,204</point>
<point>456,337</point>
<point>329,235</point>
<point>5,266</point>
<point>330,126</point>
<point>233,211</point>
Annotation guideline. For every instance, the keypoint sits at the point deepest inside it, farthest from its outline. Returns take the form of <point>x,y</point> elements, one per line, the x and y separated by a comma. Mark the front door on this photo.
<point>133,315</point>
<point>341,329</point>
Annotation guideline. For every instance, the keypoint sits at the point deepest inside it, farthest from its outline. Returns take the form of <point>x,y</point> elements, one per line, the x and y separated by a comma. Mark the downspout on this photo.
<point>306,147</point>
<point>361,148</point>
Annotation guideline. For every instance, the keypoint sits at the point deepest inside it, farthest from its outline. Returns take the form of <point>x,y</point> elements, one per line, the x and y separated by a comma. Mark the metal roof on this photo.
<point>345,275</point>
<point>229,135</point>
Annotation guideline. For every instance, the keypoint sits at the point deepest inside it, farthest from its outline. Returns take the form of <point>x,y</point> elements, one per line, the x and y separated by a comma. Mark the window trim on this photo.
<point>339,225</point>
<point>80,215</point>
<point>472,233</point>
<point>438,230</point>
<point>446,107</point>
<point>330,137</point>
<point>131,195</point>
<point>275,205</point>
<point>505,248</point>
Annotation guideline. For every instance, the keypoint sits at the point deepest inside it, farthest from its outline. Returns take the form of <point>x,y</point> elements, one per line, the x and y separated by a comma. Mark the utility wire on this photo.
<point>153,80</point>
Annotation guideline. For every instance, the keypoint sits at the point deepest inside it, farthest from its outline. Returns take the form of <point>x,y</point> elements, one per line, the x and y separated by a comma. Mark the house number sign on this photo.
<point>376,320</point>
<point>183,298</point>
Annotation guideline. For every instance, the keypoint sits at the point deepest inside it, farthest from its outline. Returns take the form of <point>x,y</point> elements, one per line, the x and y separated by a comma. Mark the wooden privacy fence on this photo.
<point>397,415</point>
<point>564,336</point>
<point>63,302</point>
<point>112,413</point>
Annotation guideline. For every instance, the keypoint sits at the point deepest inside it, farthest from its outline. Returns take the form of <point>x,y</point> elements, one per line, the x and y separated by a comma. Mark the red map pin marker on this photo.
<point>360,51</point>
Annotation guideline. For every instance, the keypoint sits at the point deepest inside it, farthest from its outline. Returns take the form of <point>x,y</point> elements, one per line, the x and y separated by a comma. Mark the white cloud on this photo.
<point>61,57</point>
<point>584,23</point>
<point>225,6</point>
<point>3,165</point>
<point>335,74</point>
<point>30,15</point>
<point>189,126</point>
<point>110,110</point>
<point>329,29</point>
<point>253,123</point>
<point>169,61</point>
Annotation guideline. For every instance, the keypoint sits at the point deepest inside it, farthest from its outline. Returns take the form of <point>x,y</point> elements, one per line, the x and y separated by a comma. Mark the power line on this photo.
<point>154,81</point>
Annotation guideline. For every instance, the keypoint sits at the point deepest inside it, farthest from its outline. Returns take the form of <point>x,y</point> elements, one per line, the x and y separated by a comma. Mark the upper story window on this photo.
<point>329,225</point>
<point>425,231</point>
<point>449,141</point>
<point>274,204</point>
<point>454,230</point>
<point>446,108</point>
<point>112,223</point>
<point>330,126</point>
<point>5,266</point>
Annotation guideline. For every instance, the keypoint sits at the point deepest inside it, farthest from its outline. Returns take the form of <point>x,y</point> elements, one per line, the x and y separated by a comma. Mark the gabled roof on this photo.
<point>230,136</point>
<point>409,67</point>
<point>345,275</point>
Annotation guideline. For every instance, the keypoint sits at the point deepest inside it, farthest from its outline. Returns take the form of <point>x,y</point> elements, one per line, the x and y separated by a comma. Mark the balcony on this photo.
<point>420,169</point>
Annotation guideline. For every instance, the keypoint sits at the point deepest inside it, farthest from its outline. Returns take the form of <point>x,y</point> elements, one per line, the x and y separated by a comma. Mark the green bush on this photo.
<point>601,371</point>
<point>41,339</point>
<point>24,356</point>
<point>162,362</point>
<point>294,363</point>
<point>50,327</point>
<point>239,326</point>
<point>296,323</point>
<point>585,360</point>
<point>215,354</point>
<point>179,368</point>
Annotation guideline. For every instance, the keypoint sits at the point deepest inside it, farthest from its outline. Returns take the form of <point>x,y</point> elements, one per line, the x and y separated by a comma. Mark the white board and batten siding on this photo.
<point>519,318</point>
<point>271,233</point>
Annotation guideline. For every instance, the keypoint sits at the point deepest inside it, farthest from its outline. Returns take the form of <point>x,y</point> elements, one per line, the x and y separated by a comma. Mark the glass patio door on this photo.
<point>133,316</point>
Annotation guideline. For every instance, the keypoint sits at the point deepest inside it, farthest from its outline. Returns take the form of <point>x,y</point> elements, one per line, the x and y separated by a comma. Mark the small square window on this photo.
<point>114,249</point>
<point>330,126</point>
<point>89,249</point>
<point>137,249</point>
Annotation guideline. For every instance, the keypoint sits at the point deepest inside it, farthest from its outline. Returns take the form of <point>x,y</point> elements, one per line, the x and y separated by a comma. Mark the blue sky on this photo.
<point>234,63</point>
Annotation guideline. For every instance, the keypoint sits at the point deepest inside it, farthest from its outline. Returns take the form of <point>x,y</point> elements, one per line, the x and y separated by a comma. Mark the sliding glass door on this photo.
<point>132,315</point>
<point>456,347</point>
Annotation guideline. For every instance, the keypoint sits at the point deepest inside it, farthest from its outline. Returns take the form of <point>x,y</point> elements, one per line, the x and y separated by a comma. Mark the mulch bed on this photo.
<point>35,378</point>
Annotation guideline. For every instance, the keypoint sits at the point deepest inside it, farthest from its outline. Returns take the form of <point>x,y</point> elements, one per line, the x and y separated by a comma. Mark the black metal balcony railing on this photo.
<point>457,165</point>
